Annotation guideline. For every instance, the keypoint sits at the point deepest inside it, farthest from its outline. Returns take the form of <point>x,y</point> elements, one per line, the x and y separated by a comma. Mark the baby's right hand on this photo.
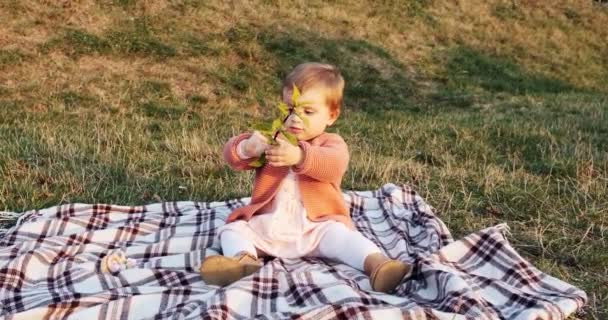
<point>255,145</point>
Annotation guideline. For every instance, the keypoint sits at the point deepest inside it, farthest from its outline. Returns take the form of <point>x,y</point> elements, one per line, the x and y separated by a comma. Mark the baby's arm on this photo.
<point>236,155</point>
<point>327,162</point>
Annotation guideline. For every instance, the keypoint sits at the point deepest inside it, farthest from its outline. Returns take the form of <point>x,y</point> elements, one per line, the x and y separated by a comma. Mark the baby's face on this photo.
<point>315,109</point>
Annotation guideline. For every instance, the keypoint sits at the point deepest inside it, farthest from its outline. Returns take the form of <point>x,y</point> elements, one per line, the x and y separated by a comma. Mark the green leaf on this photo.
<point>277,124</point>
<point>295,96</point>
<point>306,121</point>
<point>256,163</point>
<point>290,137</point>
<point>301,115</point>
<point>262,127</point>
<point>284,108</point>
<point>259,161</point>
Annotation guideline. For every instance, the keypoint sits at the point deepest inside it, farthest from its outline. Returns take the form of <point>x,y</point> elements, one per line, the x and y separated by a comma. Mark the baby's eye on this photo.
<point>308,111</point>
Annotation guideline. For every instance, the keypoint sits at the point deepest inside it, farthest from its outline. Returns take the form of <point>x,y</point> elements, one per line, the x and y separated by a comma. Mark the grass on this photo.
<point>10,57</point>
<point>495,111</point>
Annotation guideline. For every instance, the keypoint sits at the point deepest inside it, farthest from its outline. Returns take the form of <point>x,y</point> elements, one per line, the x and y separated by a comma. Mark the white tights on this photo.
<point>338,243</point>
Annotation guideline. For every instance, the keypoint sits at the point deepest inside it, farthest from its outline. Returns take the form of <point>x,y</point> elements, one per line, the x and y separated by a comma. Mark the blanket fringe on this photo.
<point>7,216</point>
<point>504,228</point>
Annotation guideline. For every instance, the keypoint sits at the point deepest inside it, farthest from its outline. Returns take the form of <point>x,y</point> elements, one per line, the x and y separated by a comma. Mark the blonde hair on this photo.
<point>321,76</point>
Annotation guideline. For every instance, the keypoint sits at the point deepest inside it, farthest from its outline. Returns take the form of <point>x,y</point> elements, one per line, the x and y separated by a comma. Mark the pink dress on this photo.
<point>285,231</point>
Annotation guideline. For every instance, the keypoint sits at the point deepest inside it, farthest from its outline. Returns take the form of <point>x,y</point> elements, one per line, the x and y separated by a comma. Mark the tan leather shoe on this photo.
<point>222,271</point>
<point>385,274</point>
<point>388,275</point>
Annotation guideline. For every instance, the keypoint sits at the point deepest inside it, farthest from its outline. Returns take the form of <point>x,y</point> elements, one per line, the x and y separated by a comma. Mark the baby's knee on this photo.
<point>338,227</point>
<point>234,224</point>
<point>337,234</point>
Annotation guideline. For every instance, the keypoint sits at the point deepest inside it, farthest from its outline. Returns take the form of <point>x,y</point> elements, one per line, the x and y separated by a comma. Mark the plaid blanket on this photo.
<point>50,268</point>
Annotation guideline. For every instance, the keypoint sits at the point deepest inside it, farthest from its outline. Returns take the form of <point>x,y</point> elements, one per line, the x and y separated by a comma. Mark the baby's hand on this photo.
<point>255,145</point>
<point>284,154</point>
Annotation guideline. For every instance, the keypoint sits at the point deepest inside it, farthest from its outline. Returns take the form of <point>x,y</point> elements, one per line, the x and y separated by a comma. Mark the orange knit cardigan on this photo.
<point>319,177</point>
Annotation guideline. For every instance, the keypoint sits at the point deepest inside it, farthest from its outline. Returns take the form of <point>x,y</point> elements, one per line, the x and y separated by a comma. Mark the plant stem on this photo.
<point>276,134</point>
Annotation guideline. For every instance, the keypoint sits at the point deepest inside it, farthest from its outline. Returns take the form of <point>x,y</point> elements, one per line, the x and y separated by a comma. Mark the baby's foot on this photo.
<point>222,271</point>
<point>385,274</point>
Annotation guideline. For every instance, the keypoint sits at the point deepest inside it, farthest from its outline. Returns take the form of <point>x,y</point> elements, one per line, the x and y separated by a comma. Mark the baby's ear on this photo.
<point>333,116</point>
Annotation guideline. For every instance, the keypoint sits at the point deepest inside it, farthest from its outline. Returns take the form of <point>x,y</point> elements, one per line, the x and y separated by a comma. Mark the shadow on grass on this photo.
<point>375,80</point>
<point>136,37</point>
<point>471,76</point>
<point>469,67</point>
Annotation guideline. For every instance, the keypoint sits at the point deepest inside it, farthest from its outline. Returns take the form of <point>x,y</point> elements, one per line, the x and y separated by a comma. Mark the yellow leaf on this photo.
<point>259,161</point>
<point>256,163</point>
<point>306,122</point>
<point>302,116</point>
<point>290,137</point>
<point>277,124</point>
<point>295,96</point>
<point>284,108</point>
<point>262,127</point>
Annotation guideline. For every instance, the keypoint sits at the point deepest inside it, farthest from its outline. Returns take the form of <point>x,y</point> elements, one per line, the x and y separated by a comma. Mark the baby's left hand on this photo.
<point>284,154</point>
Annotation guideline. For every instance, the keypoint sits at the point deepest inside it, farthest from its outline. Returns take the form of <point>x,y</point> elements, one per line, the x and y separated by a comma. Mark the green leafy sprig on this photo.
<point>273,129</point>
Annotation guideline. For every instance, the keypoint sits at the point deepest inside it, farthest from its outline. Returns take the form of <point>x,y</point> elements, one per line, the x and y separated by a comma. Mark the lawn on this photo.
<point>495,111</point>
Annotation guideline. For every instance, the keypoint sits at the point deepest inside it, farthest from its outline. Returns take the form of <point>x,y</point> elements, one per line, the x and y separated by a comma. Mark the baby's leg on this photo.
<point>345,245</point>
<point>239,260</point>
<point>352,248</point>
<point>234,244</point>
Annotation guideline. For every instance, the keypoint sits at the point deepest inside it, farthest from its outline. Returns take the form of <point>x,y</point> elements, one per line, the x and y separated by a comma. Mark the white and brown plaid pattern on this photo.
<point>49,268</point>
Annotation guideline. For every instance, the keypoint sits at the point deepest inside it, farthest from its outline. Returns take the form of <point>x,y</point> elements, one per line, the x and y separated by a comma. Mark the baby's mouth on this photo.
<point>295,130</point>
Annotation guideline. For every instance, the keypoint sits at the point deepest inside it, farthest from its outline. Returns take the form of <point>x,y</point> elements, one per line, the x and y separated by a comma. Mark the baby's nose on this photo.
<point>294,118</point>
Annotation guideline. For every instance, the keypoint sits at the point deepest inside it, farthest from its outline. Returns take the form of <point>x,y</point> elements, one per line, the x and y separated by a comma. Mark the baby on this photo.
<point>297,209</point>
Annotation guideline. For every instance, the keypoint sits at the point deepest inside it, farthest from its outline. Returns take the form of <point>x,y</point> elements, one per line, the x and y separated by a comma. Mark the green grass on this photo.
<point>469,68</point>
<point>135,107</point>
<point>376,80</point>
<point>507,11</point>
<point>134,38</point>
<point>10,57</point>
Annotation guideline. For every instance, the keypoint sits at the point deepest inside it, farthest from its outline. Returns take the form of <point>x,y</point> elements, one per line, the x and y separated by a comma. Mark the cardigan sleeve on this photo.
<point>326,162</point>
<point>231,154</point>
